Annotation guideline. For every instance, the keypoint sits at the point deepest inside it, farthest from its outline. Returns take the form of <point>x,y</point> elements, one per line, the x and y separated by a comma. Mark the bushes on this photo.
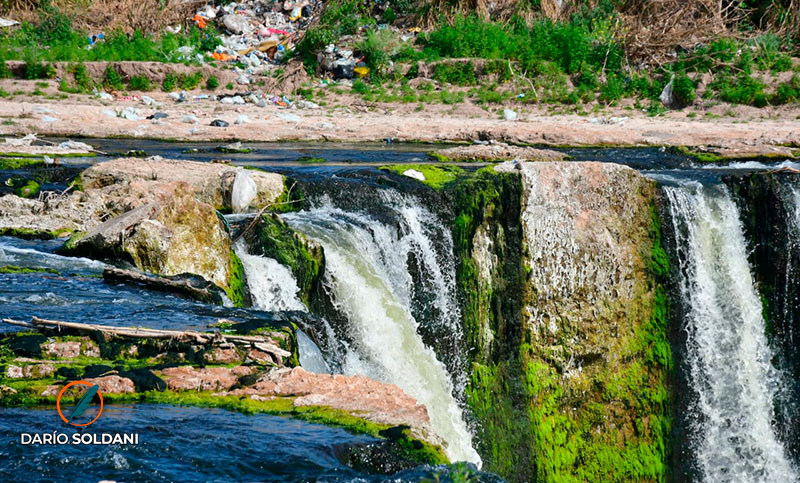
<point>140,83</point>
<point>683,90</point>
<point>743,89</point>
<point>212,83</point>
<point>112,80</point>
<point>458,73</point>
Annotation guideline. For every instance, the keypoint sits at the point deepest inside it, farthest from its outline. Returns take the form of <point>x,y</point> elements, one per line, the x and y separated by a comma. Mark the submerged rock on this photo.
<point>496,152</point>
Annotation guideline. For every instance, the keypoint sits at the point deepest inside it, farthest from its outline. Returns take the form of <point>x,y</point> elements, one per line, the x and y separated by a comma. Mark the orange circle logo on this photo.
<point>83,402</point>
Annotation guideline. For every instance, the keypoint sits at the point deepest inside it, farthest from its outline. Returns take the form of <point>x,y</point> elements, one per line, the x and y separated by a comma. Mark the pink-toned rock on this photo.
<point>259,356</point>
<point>62,350</point>
<point>187,378</point>
<point>222,356</point>
<point>111,384</point>
<point>372,400</point>
<point>14,372</point>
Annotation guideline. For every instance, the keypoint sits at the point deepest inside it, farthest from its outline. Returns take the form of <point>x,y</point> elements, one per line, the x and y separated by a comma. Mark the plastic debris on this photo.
<point>6,22</point>
<point>242,119</point>
<point>158,115</point>
<point>244,191</point>
<point>109,113</point>
<point>509,114</point>
<point>306,105</point>
<point>219,123</point>
<point>49,119</point>
<point>130,114</point>
<point>23,141</point>
<point>413,173</point>
<point>148,101</point>
<point>69,144</point>
<point>243,79</point>
<point>361,72</point>
<point>191,119</point>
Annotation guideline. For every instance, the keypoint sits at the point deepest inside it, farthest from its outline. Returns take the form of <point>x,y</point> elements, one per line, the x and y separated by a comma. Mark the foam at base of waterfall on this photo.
<point>367,271</point>
<point>727,353</point>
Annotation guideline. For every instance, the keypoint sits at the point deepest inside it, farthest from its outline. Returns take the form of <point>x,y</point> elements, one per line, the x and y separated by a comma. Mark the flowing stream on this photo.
<point>729,361</point>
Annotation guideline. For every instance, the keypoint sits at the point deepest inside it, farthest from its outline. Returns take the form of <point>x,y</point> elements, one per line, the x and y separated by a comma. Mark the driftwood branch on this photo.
<point>191,286</point>
<point>263,343</point>
<point>262,210</point>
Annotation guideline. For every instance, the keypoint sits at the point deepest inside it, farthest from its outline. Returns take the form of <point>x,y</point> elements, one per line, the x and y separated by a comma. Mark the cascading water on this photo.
<point>367,267</point>
<point>727,356</point>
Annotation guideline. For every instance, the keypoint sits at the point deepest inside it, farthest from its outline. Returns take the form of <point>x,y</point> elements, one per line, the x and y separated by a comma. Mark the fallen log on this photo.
<point>217,339</point>
<point>192,286</point>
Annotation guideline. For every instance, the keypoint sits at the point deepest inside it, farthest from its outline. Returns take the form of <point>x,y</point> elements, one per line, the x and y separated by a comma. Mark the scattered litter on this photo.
<point>23,141</point>
<point>219,123</point>
<point>242,119</point>
<point>306,105</point>
<point>243,79</point>
<point>244,191</point>
<point>109,113</point>
<point>191,119</point>
<point>413,173</point>
<point>183,96</point>
<point>6,22</point>
<point>104,96</point>
<point>50,119</point>
<point>232,100</point>
<point>158,115</point>
<point>48,160</point>
<point>78,146</point>
<point>611,120</point>
<point>509,114</point>
<point>148,101</point>
<point>130,114</point>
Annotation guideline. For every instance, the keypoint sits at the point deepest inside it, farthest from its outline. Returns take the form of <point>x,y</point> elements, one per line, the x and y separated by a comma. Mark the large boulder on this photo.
<point>137,181</point>
<point>172,235</point>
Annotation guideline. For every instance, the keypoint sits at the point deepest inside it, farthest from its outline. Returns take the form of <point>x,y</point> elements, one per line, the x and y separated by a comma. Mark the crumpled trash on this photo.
<point>242,119</point>
<point>158,115</point>
<point>23,141</point>
<point>183,96</point>
<point>219,123</point>
<point>243,79</point>
<point>105,96</point>
<point>148,101</point>
<point>232,100</point>
<point>130,114</point>
<point>666,97</point>
<point>610,120</point>
<point>413,173</point>
<point>50,119</point>
<point>7,22</point>
<point>509,114</point>
<point>237,24</point>
<point>306,105</point>
<point>244,191</point>
<point>191,119</point>
<point>184,53</point>
<point>109,113</point>
<point>288,117</point>
<point>70,144</point>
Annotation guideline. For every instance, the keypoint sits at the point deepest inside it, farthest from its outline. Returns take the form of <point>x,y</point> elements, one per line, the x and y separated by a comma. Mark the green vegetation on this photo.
<point>140,83</point>
<point>19,162</point>
<point>28,190</point>
<point>436,176</point>
<point>236,289</point>
<point>32,234</point>
<point>16,269</point>
<point>212,83</point>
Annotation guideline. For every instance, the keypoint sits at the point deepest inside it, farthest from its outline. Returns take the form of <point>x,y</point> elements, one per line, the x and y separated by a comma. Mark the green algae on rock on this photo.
<point>435,176</point>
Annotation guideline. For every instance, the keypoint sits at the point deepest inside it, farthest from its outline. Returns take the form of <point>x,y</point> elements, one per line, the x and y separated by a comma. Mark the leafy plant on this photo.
<point>170,82</point>
<point>112,79</point>
<point>212,83</point>
<point>140,83</point>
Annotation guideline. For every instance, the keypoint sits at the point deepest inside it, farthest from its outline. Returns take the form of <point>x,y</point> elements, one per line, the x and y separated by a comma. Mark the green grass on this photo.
<point>16,269</point>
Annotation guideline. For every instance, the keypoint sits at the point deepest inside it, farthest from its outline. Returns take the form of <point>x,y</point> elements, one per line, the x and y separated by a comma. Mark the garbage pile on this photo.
<point>255,33</point>
<point>342,63</point>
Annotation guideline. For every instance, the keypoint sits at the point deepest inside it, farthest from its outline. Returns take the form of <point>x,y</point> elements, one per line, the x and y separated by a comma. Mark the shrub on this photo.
<point>38,70</point>
<point>140,83</point>
<point>212,83</point>
<point>170,82</point>
<point>81,76</point>
<point>5,72</point>
<point>744,90</point>
<point>359,87</point>
<point>683,90</point>
<point>112,79</point>
<point>612,90</point>
<point>190,81</point>
<point>458,73</point>
<point>374,47</point>
<point>787,91</point>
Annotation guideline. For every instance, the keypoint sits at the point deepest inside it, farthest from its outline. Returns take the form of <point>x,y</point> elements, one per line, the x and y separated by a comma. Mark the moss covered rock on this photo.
<point>566,317</point>
<point>272,237</point>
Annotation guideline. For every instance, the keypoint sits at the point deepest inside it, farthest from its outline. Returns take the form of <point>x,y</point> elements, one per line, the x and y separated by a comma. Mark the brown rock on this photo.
<point>111,384</point>
<point>62,350</point>
<point>222,356</point>
<point>499,152</point>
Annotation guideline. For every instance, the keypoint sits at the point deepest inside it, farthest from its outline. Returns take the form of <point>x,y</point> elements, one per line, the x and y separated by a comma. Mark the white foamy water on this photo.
<point>727,352</point>
<point>367,271</point>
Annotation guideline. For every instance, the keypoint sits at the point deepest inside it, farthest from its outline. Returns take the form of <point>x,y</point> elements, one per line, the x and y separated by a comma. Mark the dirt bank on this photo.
<point>739,131</point>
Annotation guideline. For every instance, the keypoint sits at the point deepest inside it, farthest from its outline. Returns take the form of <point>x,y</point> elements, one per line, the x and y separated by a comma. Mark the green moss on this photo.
<point>236,286</point>
<point>69,245</point>
<point>439,158</point>
<point>19,162</point>
<point>436,176</point>
<point>40,156</point>
<point>291,199</point>
<point>311,160</point>
<point>273,238</point>
<point>32,233</point>
<point>16,269</point>
<point>697,156</point>
<point>28,190</point>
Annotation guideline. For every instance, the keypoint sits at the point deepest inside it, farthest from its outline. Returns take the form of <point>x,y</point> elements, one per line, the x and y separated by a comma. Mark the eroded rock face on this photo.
<point>70,349</point>
<point>73,212</point>
<point>172,235</point>
<point>111,384</point>
<point>188,378</point>
<point>30,371</point>
<point>375,401</point>
<point>136,178</point>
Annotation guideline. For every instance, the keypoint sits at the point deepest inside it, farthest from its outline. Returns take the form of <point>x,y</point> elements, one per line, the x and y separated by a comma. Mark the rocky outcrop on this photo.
<point>136,181</point>
<point>53,215</point>
<point>496,152</point>
<point>172,235</point>
<point>567,322</point>
<point>187,378</point>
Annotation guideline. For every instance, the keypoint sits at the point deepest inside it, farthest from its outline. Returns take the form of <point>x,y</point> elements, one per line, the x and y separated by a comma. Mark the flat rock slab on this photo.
<point>498,152</point>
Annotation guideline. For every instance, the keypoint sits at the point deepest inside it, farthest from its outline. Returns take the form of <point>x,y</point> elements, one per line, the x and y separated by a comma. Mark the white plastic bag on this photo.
<point>244,191</point>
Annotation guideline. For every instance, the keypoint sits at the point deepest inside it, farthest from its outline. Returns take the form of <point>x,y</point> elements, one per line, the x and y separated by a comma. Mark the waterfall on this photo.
<point>368,273</point>
<point>727,356</point>
<point>274,288</point>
